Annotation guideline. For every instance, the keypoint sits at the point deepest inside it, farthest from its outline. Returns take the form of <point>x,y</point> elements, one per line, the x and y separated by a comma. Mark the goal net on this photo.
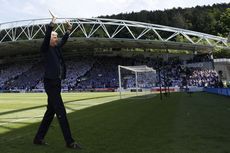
<point>135,80</point>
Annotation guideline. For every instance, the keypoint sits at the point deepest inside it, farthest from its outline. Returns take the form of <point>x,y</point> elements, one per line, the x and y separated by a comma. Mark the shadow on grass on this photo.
<point>135,126</point>
<point>101,128</point>
<point>40,106</point>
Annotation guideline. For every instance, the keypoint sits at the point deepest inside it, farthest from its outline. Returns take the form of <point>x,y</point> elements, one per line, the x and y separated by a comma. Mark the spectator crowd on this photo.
<point>102,72</point>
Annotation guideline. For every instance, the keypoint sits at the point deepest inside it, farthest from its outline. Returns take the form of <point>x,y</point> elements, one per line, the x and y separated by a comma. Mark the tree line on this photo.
<point>209,19</point>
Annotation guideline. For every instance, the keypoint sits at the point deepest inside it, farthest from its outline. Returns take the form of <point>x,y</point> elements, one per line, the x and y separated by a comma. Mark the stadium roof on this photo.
<point>25,36</point>
<point>33,46</point>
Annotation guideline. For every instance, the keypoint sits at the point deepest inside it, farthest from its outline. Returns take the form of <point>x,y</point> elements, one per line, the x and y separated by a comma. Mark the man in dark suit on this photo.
<point>55,71</point>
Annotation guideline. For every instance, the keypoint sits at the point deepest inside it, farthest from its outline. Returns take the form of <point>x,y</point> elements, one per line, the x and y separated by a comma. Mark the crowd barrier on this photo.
<point>219,91</point>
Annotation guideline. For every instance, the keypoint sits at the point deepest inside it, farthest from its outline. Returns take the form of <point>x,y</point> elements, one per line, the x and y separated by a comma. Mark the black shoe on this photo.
<point>40,142</point>
<point>74,145</point>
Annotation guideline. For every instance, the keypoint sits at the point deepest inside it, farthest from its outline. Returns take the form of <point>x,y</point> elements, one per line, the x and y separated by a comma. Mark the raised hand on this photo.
<point>69,25</point>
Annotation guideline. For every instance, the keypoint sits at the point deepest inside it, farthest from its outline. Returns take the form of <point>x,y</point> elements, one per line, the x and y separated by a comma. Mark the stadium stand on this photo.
<point>26,80</point>
<point>85,73</point>
<point>11,72</point>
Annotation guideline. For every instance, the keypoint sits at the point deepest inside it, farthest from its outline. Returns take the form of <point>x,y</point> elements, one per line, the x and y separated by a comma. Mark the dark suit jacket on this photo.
<point>53,60</point>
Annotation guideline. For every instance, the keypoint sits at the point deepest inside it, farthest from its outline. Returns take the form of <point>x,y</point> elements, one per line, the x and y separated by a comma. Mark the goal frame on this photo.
<point>136,70</point>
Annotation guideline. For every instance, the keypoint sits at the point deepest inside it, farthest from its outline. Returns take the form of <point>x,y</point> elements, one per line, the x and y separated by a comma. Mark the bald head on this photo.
<point>54,39</point>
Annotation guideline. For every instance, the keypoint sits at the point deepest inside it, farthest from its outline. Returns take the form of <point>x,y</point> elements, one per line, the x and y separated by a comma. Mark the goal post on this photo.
<point>136,70</point>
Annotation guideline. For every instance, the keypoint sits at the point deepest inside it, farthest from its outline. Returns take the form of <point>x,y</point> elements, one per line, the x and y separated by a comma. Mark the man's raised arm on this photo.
<point>66,35</point>
<point>46,41</point>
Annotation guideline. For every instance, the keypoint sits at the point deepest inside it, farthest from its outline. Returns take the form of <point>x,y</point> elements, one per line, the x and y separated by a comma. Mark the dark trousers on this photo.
<point>55,106</point>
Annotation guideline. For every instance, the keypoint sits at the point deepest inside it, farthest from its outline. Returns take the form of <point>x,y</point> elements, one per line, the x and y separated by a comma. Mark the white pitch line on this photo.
<point>18,120</point>
<point>68,111</point>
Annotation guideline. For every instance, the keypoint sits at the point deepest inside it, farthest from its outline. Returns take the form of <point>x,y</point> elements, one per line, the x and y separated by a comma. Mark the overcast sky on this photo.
<point>29,9</point>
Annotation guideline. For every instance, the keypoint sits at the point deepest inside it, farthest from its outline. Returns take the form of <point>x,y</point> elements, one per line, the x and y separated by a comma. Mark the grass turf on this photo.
<point>178,124</point>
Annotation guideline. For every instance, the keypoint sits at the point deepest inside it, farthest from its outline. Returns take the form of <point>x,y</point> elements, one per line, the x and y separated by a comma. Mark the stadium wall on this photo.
<point>219,91</point>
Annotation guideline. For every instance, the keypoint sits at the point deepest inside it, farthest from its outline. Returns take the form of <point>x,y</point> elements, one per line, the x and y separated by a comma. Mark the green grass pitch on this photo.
<point>102,123</point>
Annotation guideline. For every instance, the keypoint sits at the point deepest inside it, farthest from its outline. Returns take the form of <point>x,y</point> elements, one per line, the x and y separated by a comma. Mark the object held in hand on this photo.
<point>54,17</point>
<point>69,25</point>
